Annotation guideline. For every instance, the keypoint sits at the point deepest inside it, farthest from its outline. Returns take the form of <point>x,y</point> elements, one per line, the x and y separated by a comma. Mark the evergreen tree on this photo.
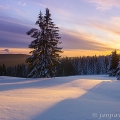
<point>118,71</point>
<point>112,68</point>
<point>44,58</point>
<point>1,72</point>
<point>67,67</point>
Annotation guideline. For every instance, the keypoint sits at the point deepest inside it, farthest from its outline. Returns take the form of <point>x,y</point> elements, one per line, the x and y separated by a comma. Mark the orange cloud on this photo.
<point>108,28</point>
<point>108,32</point>
<point>77,53</point>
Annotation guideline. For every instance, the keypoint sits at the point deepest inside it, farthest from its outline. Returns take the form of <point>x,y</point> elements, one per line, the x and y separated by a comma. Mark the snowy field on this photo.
<point>90,97</point>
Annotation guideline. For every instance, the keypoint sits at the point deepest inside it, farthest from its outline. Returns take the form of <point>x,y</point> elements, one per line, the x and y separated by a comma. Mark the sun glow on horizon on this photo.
<point>66,53</point>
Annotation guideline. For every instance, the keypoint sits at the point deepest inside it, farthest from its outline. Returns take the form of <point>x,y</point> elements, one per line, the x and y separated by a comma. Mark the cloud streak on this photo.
<point>21,3</point>
<point>54,7</point>
<point>112,27</point>
<point>14,35</point>
<point>105,4</point>
<point>81,41</point>
<point>6,50</point>
<point>4,7</point>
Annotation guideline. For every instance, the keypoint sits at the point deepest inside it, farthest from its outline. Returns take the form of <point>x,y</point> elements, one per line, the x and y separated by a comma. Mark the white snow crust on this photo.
<point>86,97</point>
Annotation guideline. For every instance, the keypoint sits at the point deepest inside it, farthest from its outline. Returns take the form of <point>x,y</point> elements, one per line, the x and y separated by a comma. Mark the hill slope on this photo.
<point>12,59</point>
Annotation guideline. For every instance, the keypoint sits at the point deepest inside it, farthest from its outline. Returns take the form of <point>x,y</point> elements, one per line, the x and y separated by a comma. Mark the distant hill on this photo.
<point>12,59</point>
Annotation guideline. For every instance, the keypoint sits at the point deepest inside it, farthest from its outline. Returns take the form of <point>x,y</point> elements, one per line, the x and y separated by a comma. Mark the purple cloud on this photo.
<point>13,33</point>
<point>6,50</point>
<point>81,43</point>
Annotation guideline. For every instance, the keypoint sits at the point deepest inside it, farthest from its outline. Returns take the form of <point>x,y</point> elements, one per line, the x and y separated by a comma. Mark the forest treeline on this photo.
<point>68,66</point>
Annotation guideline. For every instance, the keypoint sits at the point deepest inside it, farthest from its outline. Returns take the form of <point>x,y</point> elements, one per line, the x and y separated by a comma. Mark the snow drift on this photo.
<point>89,97</point>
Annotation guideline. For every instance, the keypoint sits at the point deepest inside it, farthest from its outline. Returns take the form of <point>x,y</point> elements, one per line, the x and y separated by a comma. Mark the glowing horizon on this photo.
<point>66,53</point>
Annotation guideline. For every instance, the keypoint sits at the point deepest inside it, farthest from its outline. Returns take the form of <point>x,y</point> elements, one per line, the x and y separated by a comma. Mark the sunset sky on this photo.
<point>87,27</point>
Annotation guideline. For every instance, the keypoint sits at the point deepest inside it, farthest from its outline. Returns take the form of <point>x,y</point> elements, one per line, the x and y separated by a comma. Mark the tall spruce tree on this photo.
<point>118,71</point>
<point>45,53</point>
<point>112,67</point>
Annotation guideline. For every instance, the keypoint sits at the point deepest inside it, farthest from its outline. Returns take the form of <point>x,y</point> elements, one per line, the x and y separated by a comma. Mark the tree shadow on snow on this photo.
<point>12,83</point>
<point>99,100</point>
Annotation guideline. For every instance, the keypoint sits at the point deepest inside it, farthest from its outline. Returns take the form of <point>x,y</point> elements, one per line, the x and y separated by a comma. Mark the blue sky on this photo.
<point>87,27</point>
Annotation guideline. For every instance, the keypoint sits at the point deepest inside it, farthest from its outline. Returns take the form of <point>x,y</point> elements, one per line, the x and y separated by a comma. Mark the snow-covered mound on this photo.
<point>89,97</point>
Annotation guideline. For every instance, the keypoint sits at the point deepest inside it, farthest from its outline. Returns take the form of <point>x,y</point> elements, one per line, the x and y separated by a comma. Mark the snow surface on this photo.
<point>89,97</point>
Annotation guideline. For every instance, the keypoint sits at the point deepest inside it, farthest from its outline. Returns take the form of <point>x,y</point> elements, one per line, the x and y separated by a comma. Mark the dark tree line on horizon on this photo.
<point>90,65</point>
<point>3,71</point>
<point>83,65</point>
<point>68,66</point>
